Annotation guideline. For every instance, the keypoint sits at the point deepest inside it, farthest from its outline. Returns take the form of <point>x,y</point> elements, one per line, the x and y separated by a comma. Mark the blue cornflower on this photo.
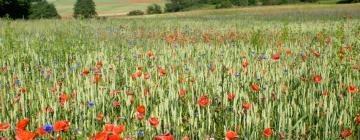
<point>17,82</point>
<point>140,133</point>
<point>91,104</point>
<point>48,128</point>
<point>187,69</point>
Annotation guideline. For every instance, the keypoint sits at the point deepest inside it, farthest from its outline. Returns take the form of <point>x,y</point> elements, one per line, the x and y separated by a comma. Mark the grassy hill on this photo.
<point>105,7</point>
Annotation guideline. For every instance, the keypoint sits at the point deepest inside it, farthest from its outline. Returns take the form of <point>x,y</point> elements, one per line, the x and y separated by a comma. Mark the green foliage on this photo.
<point>177,5</point>
<point>347,1</point>
<point>43,9</point>
<point>154,9</point>
<point>14,9</point>
<point>135,13</point>
<point>84,9</point>
<point>240,2</point>
<point>224,4</point>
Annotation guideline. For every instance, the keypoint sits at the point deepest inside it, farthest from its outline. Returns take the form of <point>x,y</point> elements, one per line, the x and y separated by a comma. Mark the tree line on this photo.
<point>41,9</point>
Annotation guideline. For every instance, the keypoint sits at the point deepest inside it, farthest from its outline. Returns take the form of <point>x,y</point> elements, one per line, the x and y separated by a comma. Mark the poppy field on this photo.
<point>265,74</point>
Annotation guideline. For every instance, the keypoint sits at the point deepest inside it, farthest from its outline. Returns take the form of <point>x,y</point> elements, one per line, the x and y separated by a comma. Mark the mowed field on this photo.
<point>274,72</point>
<point>106,7</point>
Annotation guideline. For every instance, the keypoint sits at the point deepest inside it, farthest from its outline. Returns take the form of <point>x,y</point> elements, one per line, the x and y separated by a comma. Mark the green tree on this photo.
<point>85,9</point>
<point>177,5</point>
<point>15,9</point>
<point>240,2</point>
<point>43,9</point>
<point>154,9</point>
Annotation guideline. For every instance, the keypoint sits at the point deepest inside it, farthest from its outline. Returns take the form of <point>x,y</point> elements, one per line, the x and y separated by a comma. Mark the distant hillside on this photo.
<point>106,7</point>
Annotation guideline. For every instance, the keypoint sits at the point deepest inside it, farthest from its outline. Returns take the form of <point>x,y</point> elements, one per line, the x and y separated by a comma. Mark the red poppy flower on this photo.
<point>108,128</point>
<point>100,117</point>
<point>85,72</point>
<point>146,92</point>
<point>244,64</point>
<point>357,120</point>
<point>140,116</point>
<point>140,108</point>
<point>24,135</point>
<point>231,96</point>
<point>61,126</point>
<point>182,92</point>
<point>275,56</point>
<point>22,123</point>
<point>230,135</point>
<point>288,52</point>
<point>246,106</point>
<point>317,79</point>
<point>116,104</point>
<point>114,137</point>
<point>267,132</point>
<point>40,131</point>
<point>352,89</point>
<point>154,122</point>
<point>101,136</point>
<point>23,90</point>
<point>149,54</point>
<point>118,129</point>
<point>255,87</point>
<point>162,72</point>
<point>4,126</point>
<point>146,76</point>
<point>317,54</point>
<point>64,97</point>
<point>139,67</point>
<point>279,43</point>
<point>138,73</point>
<point>203,101</point>
<point>165,137</point>
<point>59,84</point>
<point>326,93</point>
<point>133,76</point>
<point>345,133</point>
<point>97,78</point>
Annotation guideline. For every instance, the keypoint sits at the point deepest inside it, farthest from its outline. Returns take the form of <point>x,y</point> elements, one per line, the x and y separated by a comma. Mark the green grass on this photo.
<point>205,58</point>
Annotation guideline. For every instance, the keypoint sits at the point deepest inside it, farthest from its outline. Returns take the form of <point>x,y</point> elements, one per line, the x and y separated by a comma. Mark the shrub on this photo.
<point>43,9</point>
<point>154,9</point>
<point>135,13</point>
<point>240,2</point>
<point>85,9</point>
<point>224,4</point>
<point>177,5</point>
<point>14,8</point>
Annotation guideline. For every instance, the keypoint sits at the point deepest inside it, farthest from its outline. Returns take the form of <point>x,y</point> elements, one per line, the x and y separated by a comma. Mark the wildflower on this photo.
<point>146,76</point>
<point>230,135</point>
<point>182,92</point>
<point>4,127</point>
<point>317,79</point>
<point>352,89</point>
<point>140,133</point>
<point>85,72</point>
<point>162,72</point>
<point>23,90</point>
<point>48,128</point>
<point>21,134</point>
<point>244,64</point>
<point>275,56</point>
<point>100,117</point>
<point>91,104</point>
<point>59,84</point>
<point>345,133</point>
<point>255,87</point>
<point>165,137</point>
<point>140,116</point>
<point>154,122</point>
<point>140,108</point>
<point>357,120</point>
<point>231,96</point>
<point>61,126</point>
<point>267,132</point>
<point>246,106</point>
<point>203,101</point>
<point>22,123</point>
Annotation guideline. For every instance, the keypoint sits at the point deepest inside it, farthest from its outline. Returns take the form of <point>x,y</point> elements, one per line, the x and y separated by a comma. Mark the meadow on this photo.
<point>272,72</point>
